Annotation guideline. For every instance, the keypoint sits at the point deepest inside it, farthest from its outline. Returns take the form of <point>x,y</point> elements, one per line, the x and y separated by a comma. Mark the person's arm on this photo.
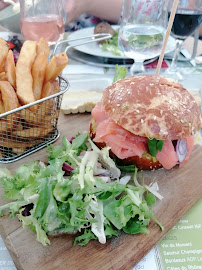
<point>105,9</point>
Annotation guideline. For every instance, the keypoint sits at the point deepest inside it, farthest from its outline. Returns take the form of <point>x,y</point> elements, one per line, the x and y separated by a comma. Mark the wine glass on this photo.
<point>142,31</point>
<point>42,18</point>
<point>187,18</point>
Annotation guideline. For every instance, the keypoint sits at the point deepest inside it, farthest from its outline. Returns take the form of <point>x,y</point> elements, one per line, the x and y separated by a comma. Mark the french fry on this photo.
<point>9,96</point>
<point>10,102</point>
<point>38,73</point>
<point>10,69</point>
<point>55,66</point>
<point>50,88</point>
<point>3,76</point>
<point>9,123</point>
<point>24,79</point>
<point>19,150</point>
<point>44,108</point>
<point>38,120</point>
<point>43,47</point>
<point>33,78</point>
<point>4,47</point>
<point>10,143</point>
<point>2,109</point>
<point>35,132</point>
<point>28,116</point>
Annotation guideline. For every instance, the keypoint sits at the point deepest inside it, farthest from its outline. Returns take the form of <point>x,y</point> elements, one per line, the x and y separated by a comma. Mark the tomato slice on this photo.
<point>11,45</point>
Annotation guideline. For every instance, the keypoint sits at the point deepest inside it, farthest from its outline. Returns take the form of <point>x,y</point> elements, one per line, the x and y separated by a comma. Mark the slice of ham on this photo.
<point>167,157</point>
<point>98,113</point>
<point>123,143</point>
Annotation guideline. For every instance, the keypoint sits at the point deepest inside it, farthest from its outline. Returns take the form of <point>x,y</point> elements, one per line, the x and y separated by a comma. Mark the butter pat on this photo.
<point>80,102</point>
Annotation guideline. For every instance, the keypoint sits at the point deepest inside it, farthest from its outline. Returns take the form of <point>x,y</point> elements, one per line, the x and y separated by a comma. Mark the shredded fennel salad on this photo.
<point>80,190</point>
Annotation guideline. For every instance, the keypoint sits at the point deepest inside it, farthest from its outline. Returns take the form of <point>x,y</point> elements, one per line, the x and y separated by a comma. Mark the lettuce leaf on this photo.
<point>120,73</point>
<point>80,202</point>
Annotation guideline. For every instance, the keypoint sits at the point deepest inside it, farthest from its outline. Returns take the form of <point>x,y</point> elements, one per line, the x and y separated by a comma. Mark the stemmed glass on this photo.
<point>142,31</point>
<point>187,18</point>
<point>42,18</point>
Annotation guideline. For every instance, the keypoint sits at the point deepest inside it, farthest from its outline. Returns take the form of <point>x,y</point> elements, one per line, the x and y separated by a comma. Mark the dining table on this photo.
<point>179,246</point>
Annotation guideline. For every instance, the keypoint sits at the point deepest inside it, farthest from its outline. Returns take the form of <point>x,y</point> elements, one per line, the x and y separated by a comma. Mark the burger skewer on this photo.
<point>170,23</point>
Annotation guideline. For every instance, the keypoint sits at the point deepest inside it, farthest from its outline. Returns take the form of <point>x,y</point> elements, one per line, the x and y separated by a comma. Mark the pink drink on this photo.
<point>50,27</point>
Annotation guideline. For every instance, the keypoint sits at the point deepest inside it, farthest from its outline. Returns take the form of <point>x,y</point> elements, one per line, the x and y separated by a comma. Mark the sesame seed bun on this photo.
<point>161,109</point>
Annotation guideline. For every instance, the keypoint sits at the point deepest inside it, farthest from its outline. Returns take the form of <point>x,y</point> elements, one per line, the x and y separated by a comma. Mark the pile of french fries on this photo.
<point>33,78</point>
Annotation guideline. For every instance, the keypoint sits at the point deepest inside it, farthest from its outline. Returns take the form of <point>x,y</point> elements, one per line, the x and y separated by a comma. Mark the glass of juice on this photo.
<point>42,18</point>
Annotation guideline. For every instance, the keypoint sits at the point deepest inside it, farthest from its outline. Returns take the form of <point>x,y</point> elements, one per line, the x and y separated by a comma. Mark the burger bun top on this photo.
<point>161,108</point>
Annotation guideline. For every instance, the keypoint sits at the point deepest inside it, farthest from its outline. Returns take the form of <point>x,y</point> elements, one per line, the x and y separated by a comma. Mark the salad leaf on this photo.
<point>43,200</point>
<point>134,226</point>
<point>51,219</point>
<point>79,143</point>
<point>109,231</point>
<point>142,42</point>
<point>35,225</point>
<point>120,73</point>
<point>155,145</point>
<point>111,45</point>
<point>150,199</point>
<point>84,238</point>
<point>49,201</point>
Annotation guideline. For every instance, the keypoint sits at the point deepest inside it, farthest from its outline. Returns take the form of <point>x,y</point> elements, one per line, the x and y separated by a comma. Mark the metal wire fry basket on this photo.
<point>31,127</point>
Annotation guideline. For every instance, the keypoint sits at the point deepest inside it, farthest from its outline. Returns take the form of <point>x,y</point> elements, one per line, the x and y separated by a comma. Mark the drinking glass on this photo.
<point>187,18</point>
<point>42,18</point>
<point>142,31</point>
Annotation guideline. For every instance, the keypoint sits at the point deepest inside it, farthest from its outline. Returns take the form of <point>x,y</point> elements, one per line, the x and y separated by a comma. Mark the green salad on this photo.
<point>111,45</point>
<point>80,190</point>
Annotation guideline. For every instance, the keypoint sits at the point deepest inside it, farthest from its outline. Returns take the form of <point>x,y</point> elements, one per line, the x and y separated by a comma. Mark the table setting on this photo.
<point>81,75</point>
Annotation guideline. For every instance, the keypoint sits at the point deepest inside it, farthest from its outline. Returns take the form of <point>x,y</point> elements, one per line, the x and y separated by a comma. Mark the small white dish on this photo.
<point>83,94</point>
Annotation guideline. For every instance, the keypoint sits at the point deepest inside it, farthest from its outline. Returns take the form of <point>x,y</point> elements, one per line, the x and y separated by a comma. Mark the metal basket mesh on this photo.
<point>26,130</point>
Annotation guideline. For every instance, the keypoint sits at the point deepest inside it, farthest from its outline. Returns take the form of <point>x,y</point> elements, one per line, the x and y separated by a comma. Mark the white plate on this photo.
<point>84,93</point>
<point>94,48</point>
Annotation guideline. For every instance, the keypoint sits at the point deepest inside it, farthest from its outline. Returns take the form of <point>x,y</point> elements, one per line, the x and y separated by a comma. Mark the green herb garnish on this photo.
<point>155,145</point>
<point>129,168</point>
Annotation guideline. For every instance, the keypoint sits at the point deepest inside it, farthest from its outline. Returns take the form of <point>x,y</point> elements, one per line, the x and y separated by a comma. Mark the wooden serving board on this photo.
<point>181,188</point>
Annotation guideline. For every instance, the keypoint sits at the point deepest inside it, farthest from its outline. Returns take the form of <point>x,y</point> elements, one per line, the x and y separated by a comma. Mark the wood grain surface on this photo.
<point>181,188</point>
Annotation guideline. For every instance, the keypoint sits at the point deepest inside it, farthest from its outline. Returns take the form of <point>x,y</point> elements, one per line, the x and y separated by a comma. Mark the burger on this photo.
<point>146,122</point>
